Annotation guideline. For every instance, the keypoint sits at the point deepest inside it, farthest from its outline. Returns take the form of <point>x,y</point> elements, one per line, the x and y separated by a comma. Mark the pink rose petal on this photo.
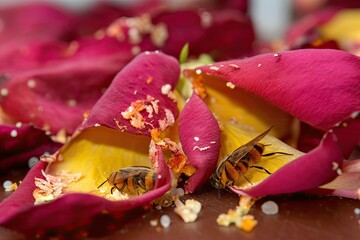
<point>319,87</point>
<point>71,209</point>
<point>200,138</point>
<point>146,82</point>
<point>315,168</point>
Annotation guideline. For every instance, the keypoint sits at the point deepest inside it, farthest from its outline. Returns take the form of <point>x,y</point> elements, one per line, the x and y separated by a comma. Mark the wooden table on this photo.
<point>300,217</point>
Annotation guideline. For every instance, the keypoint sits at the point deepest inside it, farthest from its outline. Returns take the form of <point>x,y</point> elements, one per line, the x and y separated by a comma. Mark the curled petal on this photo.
<point>298,82</point>
<point>347,184</point>
<point>313,169</point>
<point>140,97</point>
<point>19,144</point>
<point>72,209</point>
<point>200,138</point>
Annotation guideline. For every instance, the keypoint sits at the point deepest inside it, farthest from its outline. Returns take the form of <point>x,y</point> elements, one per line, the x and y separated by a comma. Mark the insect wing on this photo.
<point>241,151</point>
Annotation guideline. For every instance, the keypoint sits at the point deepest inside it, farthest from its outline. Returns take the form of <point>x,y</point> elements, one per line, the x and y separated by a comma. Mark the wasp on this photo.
<point>132,180</point>
<point>235,165</point>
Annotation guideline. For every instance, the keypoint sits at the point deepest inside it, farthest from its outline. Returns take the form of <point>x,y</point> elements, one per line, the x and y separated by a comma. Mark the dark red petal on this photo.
<point>19,144</point>
<point>200,138</point>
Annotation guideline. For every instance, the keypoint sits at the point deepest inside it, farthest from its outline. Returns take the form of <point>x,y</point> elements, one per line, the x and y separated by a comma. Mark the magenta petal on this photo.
<point>319,87</point>
<point>19,144</point>
<point>146,82</point>
<point>71,209</point>
<point>200,138</point>
<point>315,168</point>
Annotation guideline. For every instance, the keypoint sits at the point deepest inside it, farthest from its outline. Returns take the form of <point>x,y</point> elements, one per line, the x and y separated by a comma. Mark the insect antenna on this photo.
<point>102,183</point>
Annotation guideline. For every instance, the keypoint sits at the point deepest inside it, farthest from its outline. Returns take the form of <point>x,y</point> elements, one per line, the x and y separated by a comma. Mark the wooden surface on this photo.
<point>300,217</point>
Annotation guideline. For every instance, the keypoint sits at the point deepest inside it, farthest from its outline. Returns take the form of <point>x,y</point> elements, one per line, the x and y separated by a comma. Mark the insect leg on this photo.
<point>273,153</point>
<point>261,168</point>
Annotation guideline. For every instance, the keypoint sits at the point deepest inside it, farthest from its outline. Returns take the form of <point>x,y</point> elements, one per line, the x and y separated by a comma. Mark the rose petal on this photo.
<point>19,144</point>
<point>347,184</point>
<point>313,169</point>
<point>138,102</point>
<point>201,144</point>
<point>235,29</point>
<point>299,82</point>
<point>70,209</point>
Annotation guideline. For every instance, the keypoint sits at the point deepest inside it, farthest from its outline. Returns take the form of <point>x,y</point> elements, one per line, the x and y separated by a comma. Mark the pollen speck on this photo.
<point>214,68</point>
<point>31,83</point>
<point>230,85</point>
<point>13,133</point>
<point>196,139</point>
<point>4,92</point>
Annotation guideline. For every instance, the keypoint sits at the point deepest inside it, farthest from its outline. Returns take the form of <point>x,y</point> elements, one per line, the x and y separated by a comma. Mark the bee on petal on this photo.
<point>235,165</point>
<point>132,180</point>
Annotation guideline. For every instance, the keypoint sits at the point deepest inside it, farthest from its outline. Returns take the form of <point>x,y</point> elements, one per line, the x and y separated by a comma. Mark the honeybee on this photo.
<point>132,180</point>
<point>235,165</point>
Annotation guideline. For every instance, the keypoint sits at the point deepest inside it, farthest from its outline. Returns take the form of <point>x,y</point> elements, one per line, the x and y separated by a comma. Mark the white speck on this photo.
<point>72,103</point>
<point>32,161</point>
<point>97,125</point>
<point>147,52</point>
<point>31,83</point>
<point>338,171</point>
<point>135,50</point>
<point>13,133</point>
<point>355,114</point>
<point>7,184</point>
<point>234,66</point>
<point>230,85</point>
<point>213,142</point>
<point>4,92</point>
<point>259,65</point>
<point>153,222</point>
<point>270,208</point>
<point>165,89</point>
<point>135,92</point>
<point>18,124</point>
<point>357,211</point>
<point>214,68</point>
<point>198,71</point>
<point>159,176</point>
<point>196,139</point>
<point>335,166</point>
<point>165,221</point>
<point>156,51</point>
<point>201,148</point>
<point>277,55</point>
<point>206,19</point>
